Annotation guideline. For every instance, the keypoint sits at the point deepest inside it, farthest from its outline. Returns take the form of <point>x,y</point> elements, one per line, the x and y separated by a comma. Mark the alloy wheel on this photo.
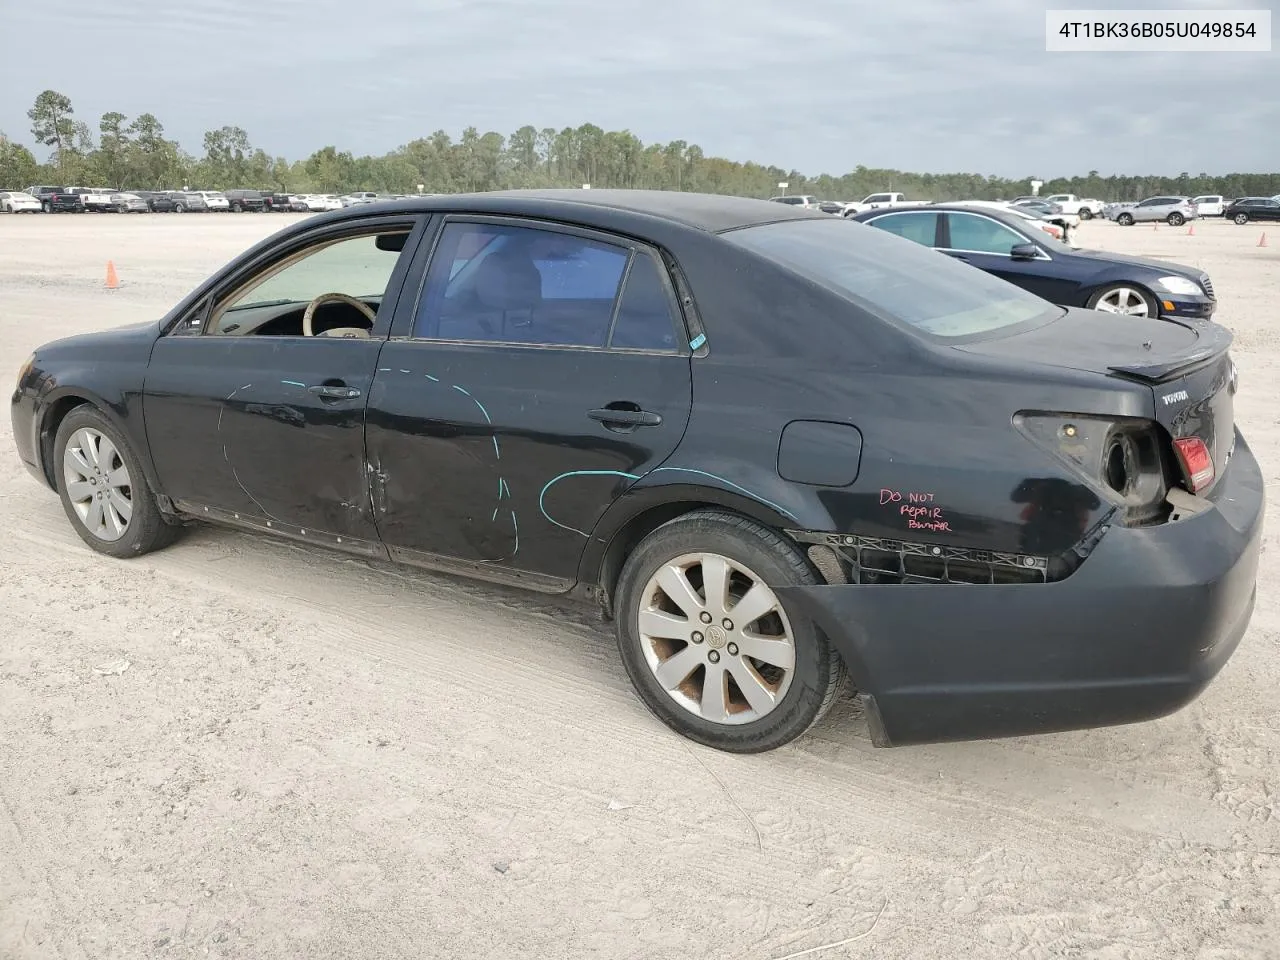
<point>716,638</point>
<point>98,484</point>
<point>1124,300</point>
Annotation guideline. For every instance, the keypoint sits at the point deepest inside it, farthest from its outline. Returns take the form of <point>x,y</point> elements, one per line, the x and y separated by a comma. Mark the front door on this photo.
<point>985,243</point>
<point>541,371</point>
<point>255,412</point>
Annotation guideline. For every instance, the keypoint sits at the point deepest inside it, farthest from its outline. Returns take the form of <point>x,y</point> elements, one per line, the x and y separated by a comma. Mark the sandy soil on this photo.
<point>309,756</point>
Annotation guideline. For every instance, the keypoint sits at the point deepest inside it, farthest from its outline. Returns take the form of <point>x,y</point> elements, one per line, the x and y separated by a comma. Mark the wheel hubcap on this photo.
<point>98,484</point>
<point>716,638</point>
<point>1124,300</point>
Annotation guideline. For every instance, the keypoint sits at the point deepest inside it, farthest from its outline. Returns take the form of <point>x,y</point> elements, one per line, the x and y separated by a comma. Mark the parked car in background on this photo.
<point>18,201</point>
<point>1112,210</point>
<point>955,492</point>
<point>1071,204</point>
<point>189,202</point>
<point>129,203</point>
<point>1011,249</point>
<point>240,201</point>
<point>797,200</point>
<point>1173,210</point>
<point>58,199</point>
<point>157,201</point>
<point>878,201</point>
<point>98,199</point>
<point>215,201</point>
<point>1052,212</point>
<point>361,196</point>
<point>1244,210</point>
<point>284,203</point>
<point>1210,205</point>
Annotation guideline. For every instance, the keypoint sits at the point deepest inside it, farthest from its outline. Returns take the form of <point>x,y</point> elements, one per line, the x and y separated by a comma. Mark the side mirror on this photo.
<point>1024,251</point>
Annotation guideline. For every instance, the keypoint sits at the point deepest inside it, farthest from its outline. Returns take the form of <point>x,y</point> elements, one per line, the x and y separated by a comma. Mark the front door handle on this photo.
<point>630,418</point>
<point>329,391</point>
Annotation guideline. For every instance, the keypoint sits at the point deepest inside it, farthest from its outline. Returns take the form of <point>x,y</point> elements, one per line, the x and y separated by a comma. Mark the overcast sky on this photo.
<point>814,85</point>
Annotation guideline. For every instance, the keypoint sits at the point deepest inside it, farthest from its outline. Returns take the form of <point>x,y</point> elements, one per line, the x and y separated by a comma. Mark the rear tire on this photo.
<point>1086,214</point>
<point>101,483</point>
<point>700,694</point>
<point>1176,219</point>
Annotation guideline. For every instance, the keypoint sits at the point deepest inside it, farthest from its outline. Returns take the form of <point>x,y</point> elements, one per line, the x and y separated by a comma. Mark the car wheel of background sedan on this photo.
<point>179,208</point>
<point>46,207</point>
<point>1241,218</point>
<point>1176,219</point>
<point>1086,214</point>
<point>1125,219</point>
<point>103,490</point>
<point>1127,300</point>
<point>708,645</point>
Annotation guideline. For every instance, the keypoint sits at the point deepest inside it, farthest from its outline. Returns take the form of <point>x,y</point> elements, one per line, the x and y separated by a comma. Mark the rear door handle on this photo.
<point>632,418</point>
<point>329,391</point>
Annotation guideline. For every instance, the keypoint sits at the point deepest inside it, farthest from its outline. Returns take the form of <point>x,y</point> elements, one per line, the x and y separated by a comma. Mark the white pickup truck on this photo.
<point>1070,203</point>
<point>877,201</point>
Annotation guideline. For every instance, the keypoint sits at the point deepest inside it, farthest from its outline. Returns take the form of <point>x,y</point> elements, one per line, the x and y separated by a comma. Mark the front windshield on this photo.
<point>894,277</point>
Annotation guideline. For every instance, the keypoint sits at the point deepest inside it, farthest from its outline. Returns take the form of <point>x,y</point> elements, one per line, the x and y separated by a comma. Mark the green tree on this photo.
<point>154,162</point>
<point>112,158</point>
<point>18,168</point>
<point>226,157</point>
<point>52,123</point>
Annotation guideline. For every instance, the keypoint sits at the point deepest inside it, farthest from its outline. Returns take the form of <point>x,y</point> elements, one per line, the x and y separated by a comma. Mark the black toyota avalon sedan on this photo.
<point>777,448</point>
<point>1009,247</point>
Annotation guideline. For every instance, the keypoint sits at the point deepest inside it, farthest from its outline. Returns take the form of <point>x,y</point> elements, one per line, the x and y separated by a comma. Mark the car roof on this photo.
<point>702,211</point>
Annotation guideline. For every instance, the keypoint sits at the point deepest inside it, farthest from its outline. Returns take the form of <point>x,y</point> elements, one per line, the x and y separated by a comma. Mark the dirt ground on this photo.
<point>311,756</point>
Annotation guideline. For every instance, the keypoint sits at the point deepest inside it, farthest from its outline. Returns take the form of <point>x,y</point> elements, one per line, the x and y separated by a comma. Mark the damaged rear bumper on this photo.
<point>1137,632</point>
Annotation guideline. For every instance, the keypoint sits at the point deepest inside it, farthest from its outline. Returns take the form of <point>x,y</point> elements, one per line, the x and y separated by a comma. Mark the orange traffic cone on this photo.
<point>1262,240</point>
<point>113,282</point>
<point>1191,231</point>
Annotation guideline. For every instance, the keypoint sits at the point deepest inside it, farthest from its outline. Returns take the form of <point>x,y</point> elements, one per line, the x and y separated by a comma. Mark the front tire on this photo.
<point>1241,219</point>
<point>1125,299</point>
<point>706,642</point>
<point>1125,219</point>
<point>103,489</point>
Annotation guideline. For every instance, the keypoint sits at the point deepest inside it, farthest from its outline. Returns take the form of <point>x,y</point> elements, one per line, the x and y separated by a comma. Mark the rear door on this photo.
<point>540,370</point>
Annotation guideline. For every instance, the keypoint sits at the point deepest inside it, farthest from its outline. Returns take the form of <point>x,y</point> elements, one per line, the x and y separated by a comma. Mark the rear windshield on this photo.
<point>895,277</point>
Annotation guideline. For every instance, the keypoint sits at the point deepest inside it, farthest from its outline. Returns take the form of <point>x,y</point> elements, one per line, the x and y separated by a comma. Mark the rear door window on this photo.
<point>500,283</point>
<point>646,318</point>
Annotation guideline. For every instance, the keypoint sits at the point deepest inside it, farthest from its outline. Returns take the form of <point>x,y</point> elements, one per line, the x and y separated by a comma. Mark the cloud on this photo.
<point>937,85</point>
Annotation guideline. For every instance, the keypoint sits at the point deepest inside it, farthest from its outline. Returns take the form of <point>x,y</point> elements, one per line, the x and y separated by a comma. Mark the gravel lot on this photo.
<point>311,756</point>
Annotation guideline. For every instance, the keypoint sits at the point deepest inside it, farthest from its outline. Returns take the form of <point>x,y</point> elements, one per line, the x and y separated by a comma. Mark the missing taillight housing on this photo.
<point>1119,456</point>
<point>1196,461</point>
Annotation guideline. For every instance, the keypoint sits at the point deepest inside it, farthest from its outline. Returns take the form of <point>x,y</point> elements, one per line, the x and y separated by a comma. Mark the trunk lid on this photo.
<point>1186,366</point>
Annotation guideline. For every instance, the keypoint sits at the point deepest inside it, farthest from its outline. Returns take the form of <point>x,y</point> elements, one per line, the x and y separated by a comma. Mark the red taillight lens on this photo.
<point>1196,459</point>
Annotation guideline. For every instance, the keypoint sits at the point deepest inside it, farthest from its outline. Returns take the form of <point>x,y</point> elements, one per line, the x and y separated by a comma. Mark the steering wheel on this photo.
<point>356,332</point>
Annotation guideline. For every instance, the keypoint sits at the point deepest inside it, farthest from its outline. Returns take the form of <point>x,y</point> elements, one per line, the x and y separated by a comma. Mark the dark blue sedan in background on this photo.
<point>1013,249</point>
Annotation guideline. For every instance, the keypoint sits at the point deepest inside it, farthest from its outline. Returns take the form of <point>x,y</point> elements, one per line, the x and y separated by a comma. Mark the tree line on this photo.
<point>125,153</point>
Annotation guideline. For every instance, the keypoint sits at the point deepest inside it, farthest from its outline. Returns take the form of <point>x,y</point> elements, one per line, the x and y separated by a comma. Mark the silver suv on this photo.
<point>1174,210</point>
